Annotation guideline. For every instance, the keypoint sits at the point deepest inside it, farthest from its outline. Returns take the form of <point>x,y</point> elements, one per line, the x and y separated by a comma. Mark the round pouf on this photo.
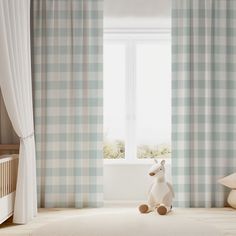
<point>232,198</point>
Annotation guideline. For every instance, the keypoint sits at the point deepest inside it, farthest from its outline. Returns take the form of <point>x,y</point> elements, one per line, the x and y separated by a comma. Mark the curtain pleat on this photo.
<point>203,99</point>
<point>67,38</point>
<point>7,133</point>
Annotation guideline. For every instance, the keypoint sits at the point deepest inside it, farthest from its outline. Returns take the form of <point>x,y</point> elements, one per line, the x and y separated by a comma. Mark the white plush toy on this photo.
<point>161,192</point>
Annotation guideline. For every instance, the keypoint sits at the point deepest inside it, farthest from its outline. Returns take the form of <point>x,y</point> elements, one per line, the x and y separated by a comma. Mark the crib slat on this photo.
<point>4,178</point>
<point>1,180</point>
<point>8,174</point>
<point>7,179</point>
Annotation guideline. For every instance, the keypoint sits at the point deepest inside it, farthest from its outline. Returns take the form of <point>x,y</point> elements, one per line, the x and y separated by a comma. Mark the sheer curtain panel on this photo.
<point>7,133</point>
<point>203,99</point>
<point>15,83</point>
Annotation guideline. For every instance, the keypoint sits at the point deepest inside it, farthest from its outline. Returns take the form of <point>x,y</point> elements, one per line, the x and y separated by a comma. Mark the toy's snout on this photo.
<point>151,173</point>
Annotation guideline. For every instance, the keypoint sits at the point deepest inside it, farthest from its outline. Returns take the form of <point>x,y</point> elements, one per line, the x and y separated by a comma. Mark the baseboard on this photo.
<point>122,203</point>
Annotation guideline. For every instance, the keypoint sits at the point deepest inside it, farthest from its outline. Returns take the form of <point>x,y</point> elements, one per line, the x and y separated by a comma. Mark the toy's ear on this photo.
<point>155,160</point>
<point>163,162</point>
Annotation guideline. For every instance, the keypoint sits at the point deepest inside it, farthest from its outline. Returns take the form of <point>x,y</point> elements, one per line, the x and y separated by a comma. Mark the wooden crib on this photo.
<point>8,176</point>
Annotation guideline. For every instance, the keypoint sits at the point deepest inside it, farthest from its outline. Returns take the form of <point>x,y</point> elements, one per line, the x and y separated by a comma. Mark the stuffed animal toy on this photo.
<point>161,192</point>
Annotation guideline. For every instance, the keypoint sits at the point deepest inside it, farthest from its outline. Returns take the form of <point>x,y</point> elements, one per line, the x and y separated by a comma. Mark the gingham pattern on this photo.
<point>67,38</point>
<point>204,99</point>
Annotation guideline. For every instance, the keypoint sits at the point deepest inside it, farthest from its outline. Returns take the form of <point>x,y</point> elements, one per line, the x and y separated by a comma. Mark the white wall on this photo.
<point>137,13</point>
<point>137,8</point>
<point>128,182</point>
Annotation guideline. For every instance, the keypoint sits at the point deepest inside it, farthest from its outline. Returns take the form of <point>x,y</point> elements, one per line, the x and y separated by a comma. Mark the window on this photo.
<point>114,100</point>
<point>137,95</point>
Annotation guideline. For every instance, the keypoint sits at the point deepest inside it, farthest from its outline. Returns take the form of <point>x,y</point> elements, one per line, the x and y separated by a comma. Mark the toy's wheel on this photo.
<point>162,210</point>
<point>143,208</point>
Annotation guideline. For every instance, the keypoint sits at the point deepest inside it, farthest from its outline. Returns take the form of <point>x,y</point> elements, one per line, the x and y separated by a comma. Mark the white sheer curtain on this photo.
<point>15,83</point>
<point>7,133</point>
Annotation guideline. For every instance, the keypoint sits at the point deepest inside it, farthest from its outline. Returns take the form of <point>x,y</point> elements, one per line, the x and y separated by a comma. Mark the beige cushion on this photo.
<point>229,181</point>
<point>130,224</point>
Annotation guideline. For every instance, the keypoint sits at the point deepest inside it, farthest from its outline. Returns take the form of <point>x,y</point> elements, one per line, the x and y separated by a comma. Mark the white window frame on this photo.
<point>132,37</point>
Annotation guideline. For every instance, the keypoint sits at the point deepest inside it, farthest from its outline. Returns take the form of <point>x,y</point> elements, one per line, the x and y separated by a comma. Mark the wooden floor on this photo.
<point>224,218</point>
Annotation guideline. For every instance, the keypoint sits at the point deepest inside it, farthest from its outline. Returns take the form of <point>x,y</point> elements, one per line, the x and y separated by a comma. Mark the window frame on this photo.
<point>132,37</point>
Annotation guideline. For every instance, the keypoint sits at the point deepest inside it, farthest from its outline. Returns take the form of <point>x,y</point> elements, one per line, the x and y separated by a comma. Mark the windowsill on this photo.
<point>132,162</point>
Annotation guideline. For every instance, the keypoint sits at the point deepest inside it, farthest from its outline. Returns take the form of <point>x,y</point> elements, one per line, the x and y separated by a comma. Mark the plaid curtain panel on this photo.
<point>203,99</point>
<point>67,38</point>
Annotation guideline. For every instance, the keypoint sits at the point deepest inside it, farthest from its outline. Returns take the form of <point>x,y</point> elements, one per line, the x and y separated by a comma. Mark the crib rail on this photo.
<point>8,174</point>
<point>9,149</point>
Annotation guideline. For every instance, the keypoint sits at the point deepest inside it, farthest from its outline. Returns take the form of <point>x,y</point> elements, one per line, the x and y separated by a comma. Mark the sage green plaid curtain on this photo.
<point>204,99</point>
<point>67,38</point>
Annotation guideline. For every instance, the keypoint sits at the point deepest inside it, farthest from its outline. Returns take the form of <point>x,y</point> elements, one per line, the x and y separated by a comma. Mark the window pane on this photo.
<point>153,99</point>
<point>114,100</point>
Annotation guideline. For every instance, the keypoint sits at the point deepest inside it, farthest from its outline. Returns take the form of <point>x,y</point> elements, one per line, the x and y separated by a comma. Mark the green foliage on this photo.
<point>158,151</point>
<point>116,150</point>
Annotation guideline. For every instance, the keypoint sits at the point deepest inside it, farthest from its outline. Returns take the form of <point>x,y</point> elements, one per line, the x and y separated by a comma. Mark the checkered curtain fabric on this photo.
<point>67,38</point>
<point>203,99</point>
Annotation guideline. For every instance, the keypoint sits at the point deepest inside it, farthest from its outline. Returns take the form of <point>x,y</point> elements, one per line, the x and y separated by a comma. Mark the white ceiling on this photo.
<point>137,8</point>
